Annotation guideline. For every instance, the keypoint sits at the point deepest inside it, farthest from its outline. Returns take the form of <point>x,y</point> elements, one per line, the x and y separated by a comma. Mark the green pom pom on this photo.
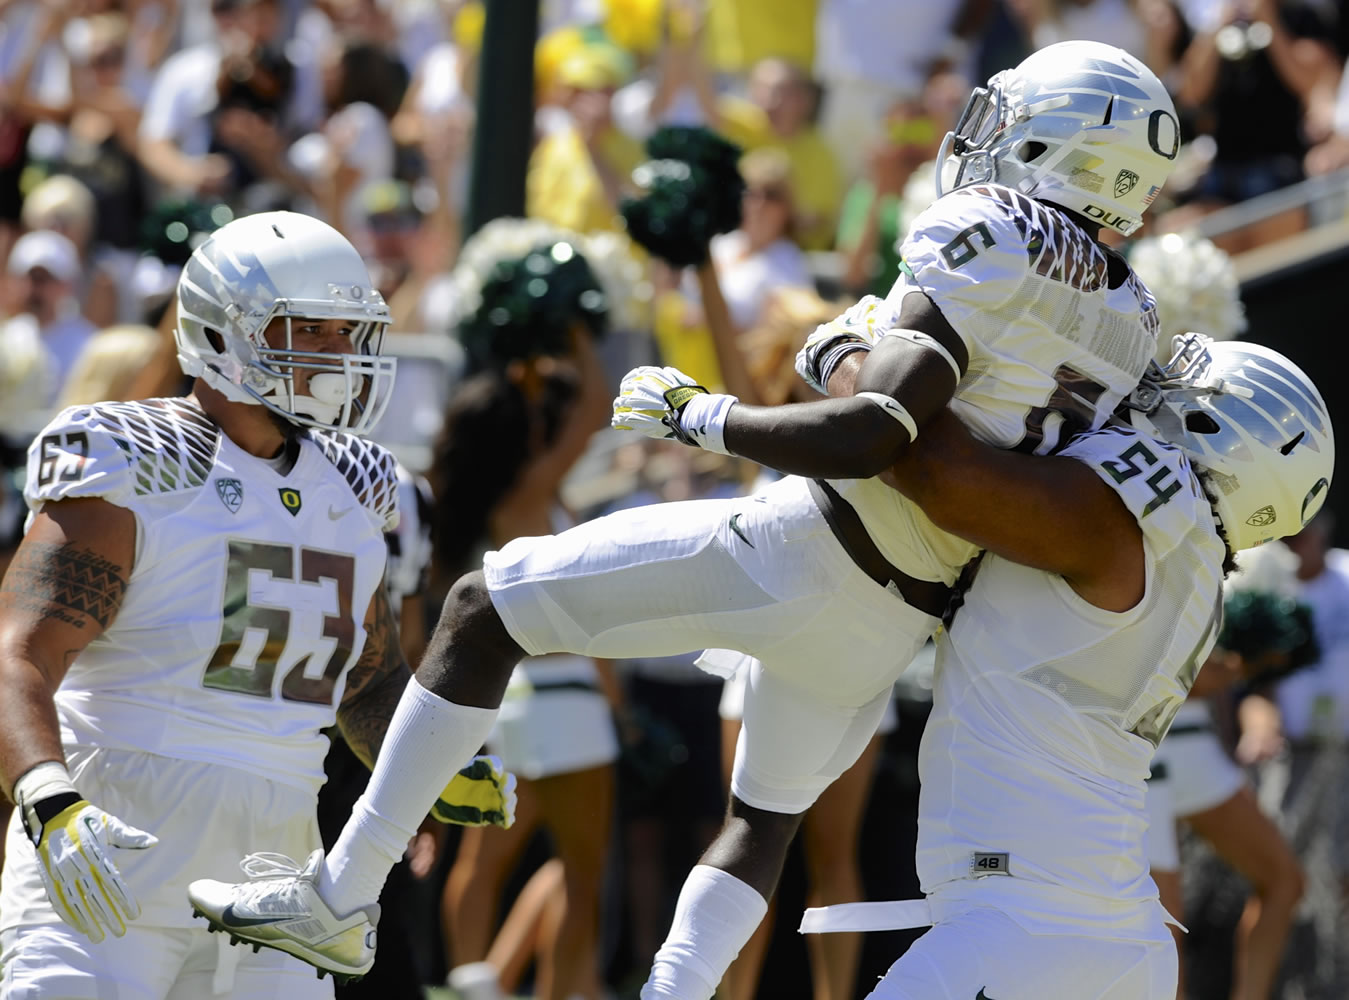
<point>529,305</point>
<point>693,192</point>
<point>1257,624</point>
<point>176,227</point>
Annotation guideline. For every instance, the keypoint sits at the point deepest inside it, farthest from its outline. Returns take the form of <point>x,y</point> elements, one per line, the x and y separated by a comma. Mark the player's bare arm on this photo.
<point>375,683</point>
<point>62,590</point>
<point>900,384</point>
<point>1052,513</point>
<point>858,436</point>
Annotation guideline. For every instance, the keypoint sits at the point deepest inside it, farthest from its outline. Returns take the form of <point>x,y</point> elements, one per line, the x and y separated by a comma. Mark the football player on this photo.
<point>1096,601</point>
<point>197,596</point>
<point>1196,288</point>
<point>1009,309</point>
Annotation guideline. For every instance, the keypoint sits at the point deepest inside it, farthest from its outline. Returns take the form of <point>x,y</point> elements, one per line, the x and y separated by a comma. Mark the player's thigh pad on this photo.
<point>984,953</point>
<point>57,962</point>
<point>762,574</point>
<point>793,744</point>
<point>736,667</point>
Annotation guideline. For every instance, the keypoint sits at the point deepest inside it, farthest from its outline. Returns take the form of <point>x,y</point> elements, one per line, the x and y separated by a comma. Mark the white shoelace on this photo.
<point>267,869</point>
<point>269,864</point>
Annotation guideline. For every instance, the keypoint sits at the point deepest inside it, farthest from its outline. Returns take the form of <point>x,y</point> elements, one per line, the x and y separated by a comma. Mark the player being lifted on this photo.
<point>197,596</point>
<point>1091,610</point>
<point>1009,310</point>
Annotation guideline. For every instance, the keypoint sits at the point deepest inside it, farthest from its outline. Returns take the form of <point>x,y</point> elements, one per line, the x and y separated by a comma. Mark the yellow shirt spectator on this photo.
<point>742,32</point>
<point>571,182</point>
<point>816,178</point>
<point>564,186</point>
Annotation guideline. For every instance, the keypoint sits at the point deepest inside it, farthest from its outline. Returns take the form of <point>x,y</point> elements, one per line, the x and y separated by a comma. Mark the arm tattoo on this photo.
<point>374,684</point>
<point>71,585</point>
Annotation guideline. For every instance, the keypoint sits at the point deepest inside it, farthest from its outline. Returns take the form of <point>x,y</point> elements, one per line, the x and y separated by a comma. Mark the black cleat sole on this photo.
<point>341,979</point>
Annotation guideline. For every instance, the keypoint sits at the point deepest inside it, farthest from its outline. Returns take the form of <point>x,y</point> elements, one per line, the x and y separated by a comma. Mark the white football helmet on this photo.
<point>284,264</point>
<point>1251,419</point>
<point>1082,124</point>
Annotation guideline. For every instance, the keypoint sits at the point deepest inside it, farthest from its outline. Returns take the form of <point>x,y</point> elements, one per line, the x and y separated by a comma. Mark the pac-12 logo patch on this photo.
<point>1262,518</point>
<point>290,499</point>
<point>231,493</point>
<point>1124,182</point>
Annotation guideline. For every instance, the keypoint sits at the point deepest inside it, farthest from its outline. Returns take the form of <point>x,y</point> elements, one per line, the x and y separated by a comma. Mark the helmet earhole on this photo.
<point>216,341</point>
<point>1201,423</point>
<point>1031,151</point>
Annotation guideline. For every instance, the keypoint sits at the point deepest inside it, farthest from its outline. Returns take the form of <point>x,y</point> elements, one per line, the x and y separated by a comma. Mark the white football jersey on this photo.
<point>1046,709</point>
<point>410,543</point>
<point>1053,348</point>
<point>246,604</point>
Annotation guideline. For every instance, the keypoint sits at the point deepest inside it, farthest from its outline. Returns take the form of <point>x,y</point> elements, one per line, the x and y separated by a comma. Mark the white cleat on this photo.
<point>281,908</point>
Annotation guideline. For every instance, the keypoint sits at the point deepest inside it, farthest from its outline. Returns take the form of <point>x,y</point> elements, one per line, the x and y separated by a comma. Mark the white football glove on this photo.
<point>666,403</point>
<point>859,328</point>
<point>481,794</point>
<point>73,841</point>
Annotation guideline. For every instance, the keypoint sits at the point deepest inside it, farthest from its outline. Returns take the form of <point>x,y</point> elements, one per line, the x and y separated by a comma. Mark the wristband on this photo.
<point>703,420</point>
<point>42,792</point>
<point>896,409</point>
<point>932,344</point>
<point>834,356</point>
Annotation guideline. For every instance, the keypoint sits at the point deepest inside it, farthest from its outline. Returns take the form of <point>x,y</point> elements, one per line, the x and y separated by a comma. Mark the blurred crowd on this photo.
<point>129,129</point>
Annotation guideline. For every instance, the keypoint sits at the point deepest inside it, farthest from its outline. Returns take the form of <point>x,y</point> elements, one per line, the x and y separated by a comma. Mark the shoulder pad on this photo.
<point>1051,244</point>
<point>369,469</point>
<point>1154,479</point>
<point>119,451</point>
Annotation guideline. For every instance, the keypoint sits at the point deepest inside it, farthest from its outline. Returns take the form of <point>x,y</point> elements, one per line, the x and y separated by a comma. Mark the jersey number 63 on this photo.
<point>254,636</point>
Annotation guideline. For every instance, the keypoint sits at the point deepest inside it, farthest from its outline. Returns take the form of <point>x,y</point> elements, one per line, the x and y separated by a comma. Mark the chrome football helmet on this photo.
<point>282,264</point>
<point>1082,124</point>
<point>1254,422</point>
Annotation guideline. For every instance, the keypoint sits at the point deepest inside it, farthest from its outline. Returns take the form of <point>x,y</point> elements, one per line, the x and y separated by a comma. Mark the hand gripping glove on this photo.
<point>858,329</point>
<point>72,839</point>
<point>666,403</point>
<point>481,794</point>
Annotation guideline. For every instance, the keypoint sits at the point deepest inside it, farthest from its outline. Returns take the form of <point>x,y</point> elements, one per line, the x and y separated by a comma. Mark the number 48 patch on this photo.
<point>1125,468</point>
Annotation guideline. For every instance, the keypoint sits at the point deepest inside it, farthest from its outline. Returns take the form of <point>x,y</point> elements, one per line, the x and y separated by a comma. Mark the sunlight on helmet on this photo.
<point>1255,424</point>
<point>1081,124</point>
<point>282,265</point>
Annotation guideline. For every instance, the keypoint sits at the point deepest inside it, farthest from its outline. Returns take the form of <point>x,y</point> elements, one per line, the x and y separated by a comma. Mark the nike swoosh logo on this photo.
<point>734,525</point>
<point>334,514</point>
<point>983,996</point>
<point>228,918</point>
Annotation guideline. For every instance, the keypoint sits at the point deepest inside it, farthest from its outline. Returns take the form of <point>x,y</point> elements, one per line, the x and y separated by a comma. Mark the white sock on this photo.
<point>715,916</point>
<point>429,739</point>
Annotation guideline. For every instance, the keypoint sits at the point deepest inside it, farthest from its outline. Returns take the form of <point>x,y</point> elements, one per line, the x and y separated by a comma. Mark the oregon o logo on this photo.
<point>1158,135</point>
<point>290,499</point>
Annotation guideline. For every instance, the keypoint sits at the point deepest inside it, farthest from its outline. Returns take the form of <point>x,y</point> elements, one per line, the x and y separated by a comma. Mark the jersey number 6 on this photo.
<point>253,637</point>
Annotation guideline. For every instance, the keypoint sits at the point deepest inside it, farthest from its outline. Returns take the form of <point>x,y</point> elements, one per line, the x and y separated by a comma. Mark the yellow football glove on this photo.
<point>859,328</point>
<point>665,403</point>
<point>73,840</point>
<point>481,794</point>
